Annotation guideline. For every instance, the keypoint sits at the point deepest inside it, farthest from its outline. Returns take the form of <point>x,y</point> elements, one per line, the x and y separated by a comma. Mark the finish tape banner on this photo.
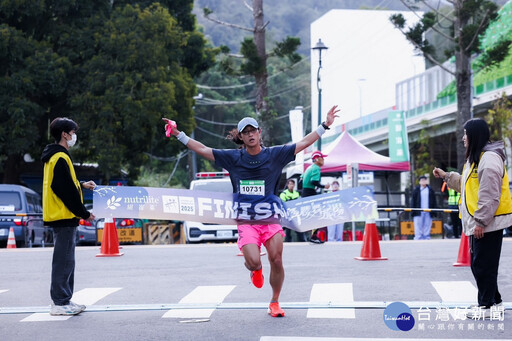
<point>304,214</point>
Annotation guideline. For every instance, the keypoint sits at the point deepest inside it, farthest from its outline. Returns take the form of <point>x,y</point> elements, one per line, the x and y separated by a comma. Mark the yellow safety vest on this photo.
<point>287,195</point>
<point>471,192</point>
<point>53,208</point>
<point>453,197</point>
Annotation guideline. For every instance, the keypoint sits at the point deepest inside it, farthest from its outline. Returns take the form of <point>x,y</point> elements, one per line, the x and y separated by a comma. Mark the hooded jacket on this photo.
<point>485,194</point>
<point>62,194</point>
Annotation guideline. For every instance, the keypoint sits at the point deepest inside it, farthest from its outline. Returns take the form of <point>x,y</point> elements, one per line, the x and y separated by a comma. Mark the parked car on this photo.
<point>196,232</point>
<point>21,208</point>
<point>86,230</point>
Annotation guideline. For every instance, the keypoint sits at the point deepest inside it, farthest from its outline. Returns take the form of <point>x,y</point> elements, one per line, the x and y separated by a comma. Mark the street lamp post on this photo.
<point>194,156</point>
<point>319,47</point>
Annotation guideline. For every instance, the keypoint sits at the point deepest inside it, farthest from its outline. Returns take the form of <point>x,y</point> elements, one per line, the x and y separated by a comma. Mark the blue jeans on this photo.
<point>422,226</point>
<point>335,233</point>
<point>63,265</point>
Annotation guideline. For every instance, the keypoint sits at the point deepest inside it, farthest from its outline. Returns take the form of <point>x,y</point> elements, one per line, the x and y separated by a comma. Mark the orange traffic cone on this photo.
<point>464,257</point>
<point>11,241</point>
<point>110,241</point>
<point>371,248</point>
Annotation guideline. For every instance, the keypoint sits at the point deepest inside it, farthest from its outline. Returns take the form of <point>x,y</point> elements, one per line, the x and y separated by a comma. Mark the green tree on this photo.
<point>499,119</point>
<point>115,68</point>
<point>32,76</point>
<point>423,150</point>
<point>254,58</point>
<point>134,79</point>
<point>470,19</point>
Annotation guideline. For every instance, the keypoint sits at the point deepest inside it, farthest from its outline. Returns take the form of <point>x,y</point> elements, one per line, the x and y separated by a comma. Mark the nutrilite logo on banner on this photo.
<point>304,214</point>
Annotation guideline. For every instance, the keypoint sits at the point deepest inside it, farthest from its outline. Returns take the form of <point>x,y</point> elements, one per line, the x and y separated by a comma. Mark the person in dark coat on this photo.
<point>422,197</point>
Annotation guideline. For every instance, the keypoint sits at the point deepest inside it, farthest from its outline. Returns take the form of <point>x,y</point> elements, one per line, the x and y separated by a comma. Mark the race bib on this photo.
<point>252,187</point>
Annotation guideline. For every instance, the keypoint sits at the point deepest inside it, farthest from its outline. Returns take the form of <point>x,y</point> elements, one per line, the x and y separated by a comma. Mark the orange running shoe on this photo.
<point>257,278</point>
<point>275,310</point>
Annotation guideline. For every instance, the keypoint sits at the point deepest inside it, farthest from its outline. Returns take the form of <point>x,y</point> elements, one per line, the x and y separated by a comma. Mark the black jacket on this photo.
<point>416,199</point>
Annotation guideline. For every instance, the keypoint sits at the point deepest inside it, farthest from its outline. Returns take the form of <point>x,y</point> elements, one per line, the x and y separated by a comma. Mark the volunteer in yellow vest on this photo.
<point>486,209</point>
<point>62,209</point>
<point>291,194</point>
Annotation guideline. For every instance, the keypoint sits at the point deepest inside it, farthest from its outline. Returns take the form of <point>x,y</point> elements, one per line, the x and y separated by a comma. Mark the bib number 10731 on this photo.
<point>252,187</point>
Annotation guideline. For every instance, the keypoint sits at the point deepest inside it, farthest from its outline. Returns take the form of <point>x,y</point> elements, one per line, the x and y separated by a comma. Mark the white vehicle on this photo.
<point>197,232</point>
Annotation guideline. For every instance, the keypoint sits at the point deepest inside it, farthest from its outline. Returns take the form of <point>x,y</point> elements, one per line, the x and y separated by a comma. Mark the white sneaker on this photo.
<point>58,310</point>
<point>80,306</point>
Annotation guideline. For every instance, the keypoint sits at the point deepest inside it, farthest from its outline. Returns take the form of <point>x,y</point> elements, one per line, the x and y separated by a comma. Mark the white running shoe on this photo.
<point>66,310</point>
<point>81,306</point>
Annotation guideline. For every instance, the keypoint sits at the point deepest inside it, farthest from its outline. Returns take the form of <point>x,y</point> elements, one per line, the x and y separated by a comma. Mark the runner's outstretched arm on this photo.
<point>191,144</point>
<point>310,138</point>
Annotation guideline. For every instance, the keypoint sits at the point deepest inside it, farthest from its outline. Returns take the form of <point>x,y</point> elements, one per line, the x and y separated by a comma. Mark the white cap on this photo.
<point>247,121</point>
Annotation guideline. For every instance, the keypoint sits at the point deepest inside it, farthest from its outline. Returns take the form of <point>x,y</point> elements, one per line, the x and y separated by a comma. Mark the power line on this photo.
<point>217,123</point>
<point>224,87</point>
<point>211,101</point>
<point>210,133</point>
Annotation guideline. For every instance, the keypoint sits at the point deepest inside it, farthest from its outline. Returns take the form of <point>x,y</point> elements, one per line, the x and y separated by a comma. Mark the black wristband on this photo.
<point>326,127</point>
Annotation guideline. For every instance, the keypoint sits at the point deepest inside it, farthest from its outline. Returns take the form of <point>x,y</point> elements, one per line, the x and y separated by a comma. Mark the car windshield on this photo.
<point>213,186</point>
<point>10,201</point>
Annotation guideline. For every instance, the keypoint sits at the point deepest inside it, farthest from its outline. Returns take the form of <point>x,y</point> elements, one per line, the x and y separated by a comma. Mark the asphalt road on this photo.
<point>203,292</point>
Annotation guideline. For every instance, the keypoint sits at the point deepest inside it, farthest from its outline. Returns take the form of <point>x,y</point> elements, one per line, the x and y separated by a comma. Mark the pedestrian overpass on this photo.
<point>372,130</point>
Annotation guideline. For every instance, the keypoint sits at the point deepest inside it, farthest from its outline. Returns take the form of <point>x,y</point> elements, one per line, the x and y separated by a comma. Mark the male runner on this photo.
<point>255,171</point>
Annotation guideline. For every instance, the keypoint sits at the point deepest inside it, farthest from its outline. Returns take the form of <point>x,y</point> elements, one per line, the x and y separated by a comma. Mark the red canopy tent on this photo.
<point>349,150</point>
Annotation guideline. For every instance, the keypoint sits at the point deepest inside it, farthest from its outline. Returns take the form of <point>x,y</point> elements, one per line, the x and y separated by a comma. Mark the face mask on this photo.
<point>71,142</point>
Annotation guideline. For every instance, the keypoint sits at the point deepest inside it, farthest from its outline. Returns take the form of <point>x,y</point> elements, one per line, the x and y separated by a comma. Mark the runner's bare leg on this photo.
<point>252,256</point>
<point>274,248</point>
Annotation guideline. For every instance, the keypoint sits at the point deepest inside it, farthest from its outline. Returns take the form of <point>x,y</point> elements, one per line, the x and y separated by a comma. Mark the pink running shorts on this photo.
<point>257,234</point>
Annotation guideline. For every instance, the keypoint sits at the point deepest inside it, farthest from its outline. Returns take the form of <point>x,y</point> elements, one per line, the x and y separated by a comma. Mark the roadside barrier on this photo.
<point>406,226</point>
<point>464,256</point>
<point>371,248</point>
<point>11,241</point>
<point>161,234</point>
<point>110,241</point>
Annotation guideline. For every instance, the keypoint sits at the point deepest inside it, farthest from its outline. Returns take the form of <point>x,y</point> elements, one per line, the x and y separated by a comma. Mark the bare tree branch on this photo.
<point>411,8</point>
<point>433,27</point>
<point>248,6</point>
<point>228,24</point>
<point>436,11</point>
<point>467,48</point>
<point>428,56</point>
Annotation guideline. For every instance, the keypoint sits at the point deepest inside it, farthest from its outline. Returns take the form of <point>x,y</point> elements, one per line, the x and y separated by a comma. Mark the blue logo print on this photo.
<point>398,316</point>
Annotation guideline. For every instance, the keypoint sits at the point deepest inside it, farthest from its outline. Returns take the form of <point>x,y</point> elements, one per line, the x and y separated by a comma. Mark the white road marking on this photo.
<point>201,295</point>
<point>456,291</point>
<point>332,293</point>
<point>1,291</point>
<point>86,296</point>
<point>463,292</point>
